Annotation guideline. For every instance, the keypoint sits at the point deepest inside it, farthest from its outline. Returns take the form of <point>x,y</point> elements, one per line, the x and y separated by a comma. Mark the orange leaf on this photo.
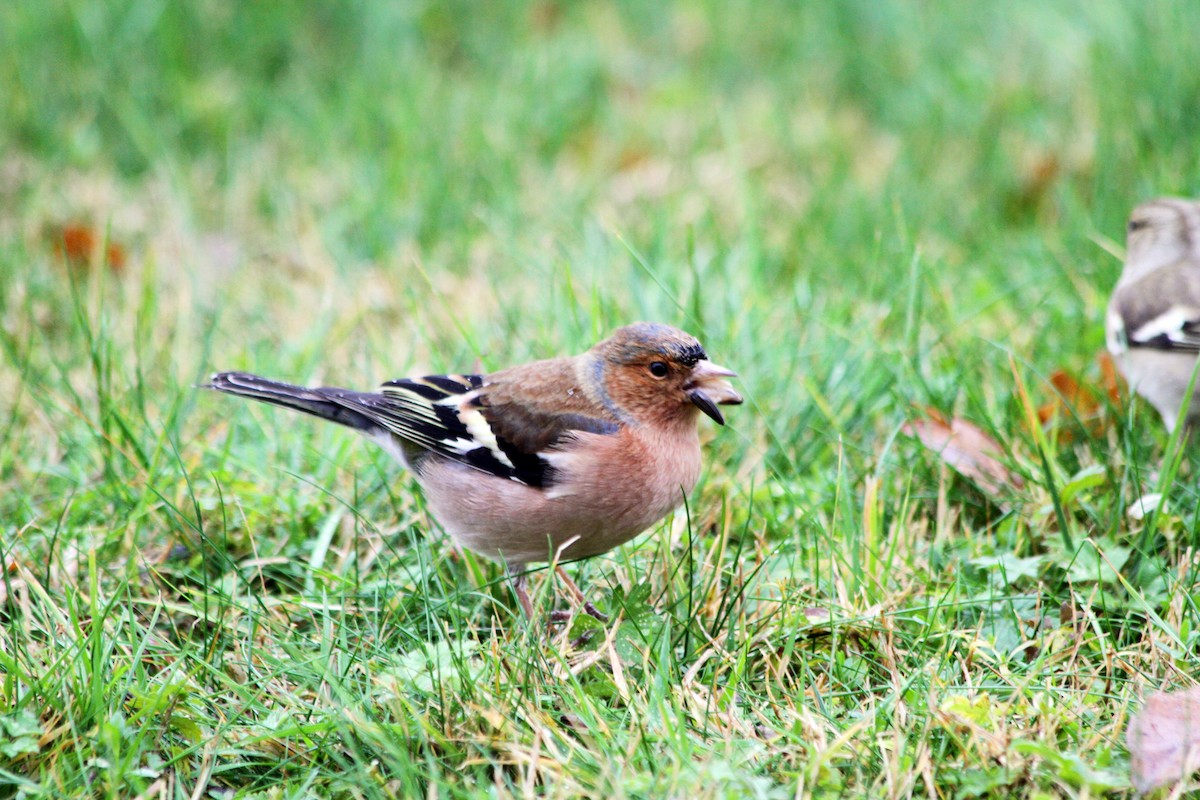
<point>78,244</point>
<point>967,449</point>
<point>114,256</point>
<point>1078,397</point>
<point>1083,401</point>
<point>1070,399</point>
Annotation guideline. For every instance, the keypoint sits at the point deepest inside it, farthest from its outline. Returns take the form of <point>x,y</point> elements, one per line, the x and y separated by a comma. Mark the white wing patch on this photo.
<point>482,433</point>
<point>1171,323</point>
<point>445,414</point>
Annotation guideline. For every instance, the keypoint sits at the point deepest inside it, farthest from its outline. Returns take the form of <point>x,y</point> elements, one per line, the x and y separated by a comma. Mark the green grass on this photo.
<point>866,208</point>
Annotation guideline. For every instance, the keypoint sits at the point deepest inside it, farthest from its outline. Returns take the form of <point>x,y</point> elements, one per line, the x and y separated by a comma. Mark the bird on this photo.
<point>549,461</point>
<point>1152,327</point>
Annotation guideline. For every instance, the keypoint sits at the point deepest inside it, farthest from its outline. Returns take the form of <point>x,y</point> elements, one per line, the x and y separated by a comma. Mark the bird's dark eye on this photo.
<point>658,369</point>
<point>1137,224</point>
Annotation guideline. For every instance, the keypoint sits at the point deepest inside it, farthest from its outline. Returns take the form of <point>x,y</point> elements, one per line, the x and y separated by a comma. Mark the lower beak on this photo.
<point>707,390</point>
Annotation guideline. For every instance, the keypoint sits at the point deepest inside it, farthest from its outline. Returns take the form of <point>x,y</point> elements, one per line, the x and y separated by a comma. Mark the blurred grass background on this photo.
<point>867,208</point>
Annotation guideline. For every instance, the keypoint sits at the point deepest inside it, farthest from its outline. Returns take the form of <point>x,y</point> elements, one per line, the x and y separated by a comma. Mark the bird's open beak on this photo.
<point>707,390</point>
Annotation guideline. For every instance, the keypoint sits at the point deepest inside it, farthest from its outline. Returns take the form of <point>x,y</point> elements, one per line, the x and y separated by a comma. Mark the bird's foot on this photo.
<point>561,615</point>
<point>592,611</point>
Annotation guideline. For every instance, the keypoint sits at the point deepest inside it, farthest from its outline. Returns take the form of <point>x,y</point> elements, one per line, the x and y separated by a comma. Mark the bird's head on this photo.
<point>656,370</point>
<point>1160,233</point>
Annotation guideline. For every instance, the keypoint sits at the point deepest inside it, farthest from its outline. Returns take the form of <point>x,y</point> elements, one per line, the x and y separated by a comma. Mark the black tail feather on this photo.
<point>320,402</point>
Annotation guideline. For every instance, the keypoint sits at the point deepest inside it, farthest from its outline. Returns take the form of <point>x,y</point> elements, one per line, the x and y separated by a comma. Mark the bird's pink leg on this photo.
<point>574,589</point>
<point>518,585</point>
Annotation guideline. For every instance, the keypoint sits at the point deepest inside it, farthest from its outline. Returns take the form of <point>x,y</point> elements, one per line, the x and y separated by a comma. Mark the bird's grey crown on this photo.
<point>650,339</point>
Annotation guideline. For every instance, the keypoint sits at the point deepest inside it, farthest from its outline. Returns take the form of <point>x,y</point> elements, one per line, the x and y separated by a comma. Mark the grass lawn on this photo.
<point>879,213</point>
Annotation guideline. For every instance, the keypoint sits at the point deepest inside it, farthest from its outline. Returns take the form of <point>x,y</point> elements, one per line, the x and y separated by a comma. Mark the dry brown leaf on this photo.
<point>79,245</point>
<point>1164,739</point>
<point>965,447</point>
<point>77,242</point>
<point>1070,398</point>
<point>1082,400</point>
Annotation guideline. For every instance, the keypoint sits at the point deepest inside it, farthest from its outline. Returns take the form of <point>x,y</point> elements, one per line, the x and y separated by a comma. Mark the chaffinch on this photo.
<point>1153,321</point>
<point>552,460</point>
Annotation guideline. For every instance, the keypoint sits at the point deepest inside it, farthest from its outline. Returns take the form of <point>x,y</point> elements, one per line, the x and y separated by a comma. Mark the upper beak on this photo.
<point>706,389</point>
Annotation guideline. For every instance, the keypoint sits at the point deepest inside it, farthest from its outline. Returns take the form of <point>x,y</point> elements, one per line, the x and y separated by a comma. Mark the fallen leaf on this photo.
<point>965,447</point>
<point>1164,739</point>
<point>1079,400</point>
<point>1070,399</point>
<point>78,244</point>
<point>114,256</point>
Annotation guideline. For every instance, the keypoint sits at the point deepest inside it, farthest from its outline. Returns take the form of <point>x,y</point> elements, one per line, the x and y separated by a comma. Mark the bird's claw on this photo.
<point>592,611</point>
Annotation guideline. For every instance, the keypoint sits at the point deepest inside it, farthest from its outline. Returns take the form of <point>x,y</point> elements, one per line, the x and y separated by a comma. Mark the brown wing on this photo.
<point>500,424</point>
